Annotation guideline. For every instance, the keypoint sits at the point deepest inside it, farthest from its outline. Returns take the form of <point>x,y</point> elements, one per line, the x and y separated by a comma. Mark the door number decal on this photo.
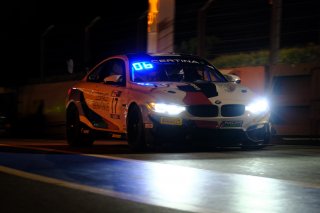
<point>114,105</point>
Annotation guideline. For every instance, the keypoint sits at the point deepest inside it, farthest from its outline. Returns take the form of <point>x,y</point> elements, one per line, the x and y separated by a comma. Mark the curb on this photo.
<point>289,140</point>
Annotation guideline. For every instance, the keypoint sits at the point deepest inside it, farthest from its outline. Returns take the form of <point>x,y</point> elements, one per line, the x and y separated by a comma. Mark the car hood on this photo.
<point>196,93</point>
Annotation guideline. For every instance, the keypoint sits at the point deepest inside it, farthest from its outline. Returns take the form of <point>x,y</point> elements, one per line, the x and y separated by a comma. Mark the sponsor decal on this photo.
<point>171,121</point>
<point>175,60</point>
<point>100,105</point>
<point>207,124</point>
<point>99,96</point>
<point>100,101</point>
<point>95,119</point>
<point>227,124</point>
<point>116,136</point>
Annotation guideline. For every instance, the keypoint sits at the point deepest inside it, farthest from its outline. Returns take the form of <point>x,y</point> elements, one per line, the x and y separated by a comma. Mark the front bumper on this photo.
<point>209,132</point>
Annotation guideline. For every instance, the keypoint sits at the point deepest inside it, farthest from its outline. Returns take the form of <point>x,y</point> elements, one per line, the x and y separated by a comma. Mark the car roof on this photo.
<point>135,56</point>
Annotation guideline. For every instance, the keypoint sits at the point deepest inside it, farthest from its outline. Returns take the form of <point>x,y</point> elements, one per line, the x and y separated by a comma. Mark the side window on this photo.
<point>112,67</point>
<point>118,68</point>
<point>94,76</point>
<point>116,72</point>
<point>215,75</point>
<point>98,74</point>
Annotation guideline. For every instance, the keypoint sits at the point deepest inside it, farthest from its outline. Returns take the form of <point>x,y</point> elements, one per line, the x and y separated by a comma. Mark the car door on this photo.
<point>107,98</point>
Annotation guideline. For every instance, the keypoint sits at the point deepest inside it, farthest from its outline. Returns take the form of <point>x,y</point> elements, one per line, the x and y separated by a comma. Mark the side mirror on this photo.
<point>233,78</point>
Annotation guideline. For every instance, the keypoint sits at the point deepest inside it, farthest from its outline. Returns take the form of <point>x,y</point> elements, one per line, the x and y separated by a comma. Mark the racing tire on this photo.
<point>139,138</point>
<point>136,134</point>
<point>77,133</point>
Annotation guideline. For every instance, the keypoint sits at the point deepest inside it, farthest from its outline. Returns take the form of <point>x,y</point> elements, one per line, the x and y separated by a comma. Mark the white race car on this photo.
<point>154,99</point>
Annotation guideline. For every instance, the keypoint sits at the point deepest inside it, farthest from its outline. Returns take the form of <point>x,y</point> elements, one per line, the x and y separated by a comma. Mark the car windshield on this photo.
<point>174,71</point>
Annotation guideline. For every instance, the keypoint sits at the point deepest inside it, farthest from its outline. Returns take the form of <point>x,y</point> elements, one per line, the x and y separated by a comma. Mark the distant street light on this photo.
<point>87,42</point>
<point>42,50</point>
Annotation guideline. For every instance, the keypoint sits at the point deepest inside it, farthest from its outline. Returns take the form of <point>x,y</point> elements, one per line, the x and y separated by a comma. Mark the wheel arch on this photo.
<point>71,105</point>
<point>143,110</point>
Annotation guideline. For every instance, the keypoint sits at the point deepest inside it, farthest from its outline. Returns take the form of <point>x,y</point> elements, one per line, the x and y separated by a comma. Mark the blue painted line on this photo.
<point>174,184</point>
<point>112,174</point>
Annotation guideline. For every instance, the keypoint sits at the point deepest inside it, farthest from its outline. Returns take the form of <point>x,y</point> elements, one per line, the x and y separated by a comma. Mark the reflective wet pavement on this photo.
<point>166,185</point>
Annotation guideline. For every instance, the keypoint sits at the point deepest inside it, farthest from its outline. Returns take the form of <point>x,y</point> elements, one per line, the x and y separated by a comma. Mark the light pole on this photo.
<point>202,28</point>
<point>275,31</point>
<point>42,50</point>
<point>87,46</point>
<point>141,31</point>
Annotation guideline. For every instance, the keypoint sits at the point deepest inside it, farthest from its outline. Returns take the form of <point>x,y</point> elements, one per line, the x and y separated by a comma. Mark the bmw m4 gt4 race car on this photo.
<point>153,99</point>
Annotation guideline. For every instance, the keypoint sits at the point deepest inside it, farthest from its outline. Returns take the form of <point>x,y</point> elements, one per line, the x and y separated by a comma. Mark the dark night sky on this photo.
<point>239,26</point>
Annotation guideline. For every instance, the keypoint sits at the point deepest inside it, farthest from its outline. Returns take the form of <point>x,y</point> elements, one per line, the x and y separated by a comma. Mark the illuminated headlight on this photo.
<point>170,109</point>
<point>258,106</point>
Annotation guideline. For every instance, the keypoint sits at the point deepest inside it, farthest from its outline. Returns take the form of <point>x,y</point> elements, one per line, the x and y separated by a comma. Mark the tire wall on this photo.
<point>41,108</point>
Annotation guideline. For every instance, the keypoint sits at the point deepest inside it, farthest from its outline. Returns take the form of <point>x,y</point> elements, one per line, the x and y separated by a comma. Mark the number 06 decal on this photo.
<point>142,66</point>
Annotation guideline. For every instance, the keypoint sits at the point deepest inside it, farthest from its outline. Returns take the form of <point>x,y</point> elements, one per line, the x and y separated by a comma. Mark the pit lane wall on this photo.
<point>294,93</point>
<point>41,108</point>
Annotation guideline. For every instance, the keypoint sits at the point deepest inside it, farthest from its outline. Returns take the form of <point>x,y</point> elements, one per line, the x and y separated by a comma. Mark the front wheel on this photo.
<point>77,133</point>
<point>139,138</point>
<point>136,134</point>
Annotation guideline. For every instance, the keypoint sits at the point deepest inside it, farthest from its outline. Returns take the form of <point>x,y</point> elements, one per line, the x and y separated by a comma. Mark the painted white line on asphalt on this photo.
<point>301,139</point>
<point>73,152</point>
<point>130,197</point>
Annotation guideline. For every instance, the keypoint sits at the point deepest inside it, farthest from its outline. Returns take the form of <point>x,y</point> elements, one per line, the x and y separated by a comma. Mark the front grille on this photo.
<point>232,110</point>
<point>203,110</point>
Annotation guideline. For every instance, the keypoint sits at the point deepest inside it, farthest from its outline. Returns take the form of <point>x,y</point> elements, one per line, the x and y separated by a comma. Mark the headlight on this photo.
<point>258,106</point>
<point>170,109</point>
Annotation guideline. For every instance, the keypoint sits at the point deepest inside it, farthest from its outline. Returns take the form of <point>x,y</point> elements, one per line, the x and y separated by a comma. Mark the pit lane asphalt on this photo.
<point>145,186</point>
